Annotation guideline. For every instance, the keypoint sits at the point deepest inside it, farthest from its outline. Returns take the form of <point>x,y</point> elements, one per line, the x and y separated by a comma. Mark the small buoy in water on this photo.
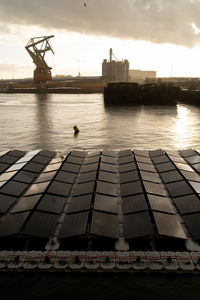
<point>76,130</point>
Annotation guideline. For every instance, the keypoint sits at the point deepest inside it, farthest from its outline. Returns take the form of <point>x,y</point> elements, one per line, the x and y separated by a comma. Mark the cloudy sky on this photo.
<point>161,35</point>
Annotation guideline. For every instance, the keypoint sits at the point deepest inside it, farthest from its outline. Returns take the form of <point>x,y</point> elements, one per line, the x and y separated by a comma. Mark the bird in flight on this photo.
<point>85,4</point>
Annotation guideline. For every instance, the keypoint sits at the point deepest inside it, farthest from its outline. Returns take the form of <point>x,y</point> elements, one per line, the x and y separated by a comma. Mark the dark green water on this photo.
<point>99,286</point>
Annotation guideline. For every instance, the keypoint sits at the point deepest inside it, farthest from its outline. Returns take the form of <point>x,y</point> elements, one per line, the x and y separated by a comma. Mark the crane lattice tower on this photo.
<point>37,48</point>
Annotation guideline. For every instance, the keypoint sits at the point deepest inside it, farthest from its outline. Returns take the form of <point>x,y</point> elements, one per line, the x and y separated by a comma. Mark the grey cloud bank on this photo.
<point>157,21</point>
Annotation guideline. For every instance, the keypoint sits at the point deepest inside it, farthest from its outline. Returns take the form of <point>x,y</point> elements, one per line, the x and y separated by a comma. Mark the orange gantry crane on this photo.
<point>37,47</point>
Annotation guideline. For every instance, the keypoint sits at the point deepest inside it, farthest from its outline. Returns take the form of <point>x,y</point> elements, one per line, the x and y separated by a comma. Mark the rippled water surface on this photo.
<point>30,121</point>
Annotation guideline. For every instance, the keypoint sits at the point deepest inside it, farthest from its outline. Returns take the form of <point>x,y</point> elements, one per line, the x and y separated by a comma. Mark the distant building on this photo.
<point>114,70</point>
<point>140,76</point>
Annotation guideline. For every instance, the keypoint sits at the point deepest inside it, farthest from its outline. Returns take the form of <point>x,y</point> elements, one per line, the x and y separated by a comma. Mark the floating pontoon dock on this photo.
<point>100,211</point>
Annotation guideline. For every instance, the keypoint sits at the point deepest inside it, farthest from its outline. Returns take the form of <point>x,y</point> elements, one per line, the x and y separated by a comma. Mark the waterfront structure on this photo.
<point>191,83</point>
<point>132,93</point>
<point>146,94</point>
<point>114,70</point>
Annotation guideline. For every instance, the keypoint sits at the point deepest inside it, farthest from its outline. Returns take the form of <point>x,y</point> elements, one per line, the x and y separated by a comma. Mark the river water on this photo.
<point>31,121</point>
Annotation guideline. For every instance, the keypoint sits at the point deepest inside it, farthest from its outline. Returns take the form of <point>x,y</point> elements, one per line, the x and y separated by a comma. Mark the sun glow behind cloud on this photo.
<point>155,35</point>
<point>75,50</point>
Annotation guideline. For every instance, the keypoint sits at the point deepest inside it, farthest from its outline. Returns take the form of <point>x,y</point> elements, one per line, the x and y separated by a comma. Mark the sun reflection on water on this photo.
<point>182,127</point>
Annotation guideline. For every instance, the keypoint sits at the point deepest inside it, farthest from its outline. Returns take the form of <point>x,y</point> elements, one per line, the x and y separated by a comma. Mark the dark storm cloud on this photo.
<point>158,21</point>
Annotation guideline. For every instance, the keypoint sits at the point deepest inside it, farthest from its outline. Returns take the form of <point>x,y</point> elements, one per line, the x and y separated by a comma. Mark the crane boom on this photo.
<point>42,72</point>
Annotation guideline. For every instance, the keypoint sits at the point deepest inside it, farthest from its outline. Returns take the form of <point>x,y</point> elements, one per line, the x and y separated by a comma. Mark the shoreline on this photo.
<point>52,91</point>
